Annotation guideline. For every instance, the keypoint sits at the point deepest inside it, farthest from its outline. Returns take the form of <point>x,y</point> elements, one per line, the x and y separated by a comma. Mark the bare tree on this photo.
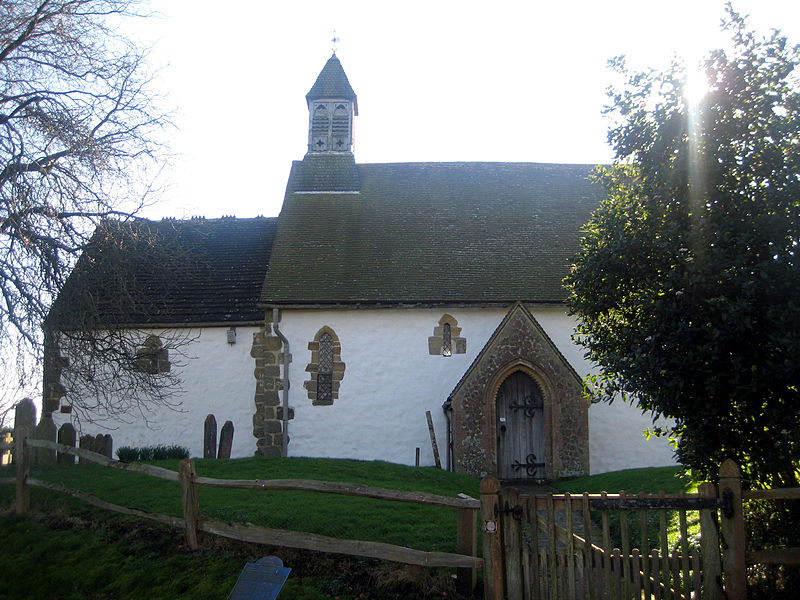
<point>79,126</point>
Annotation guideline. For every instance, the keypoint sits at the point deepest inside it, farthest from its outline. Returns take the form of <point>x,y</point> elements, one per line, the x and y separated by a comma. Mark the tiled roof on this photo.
<point>420,233</point>
<point>325,172</point>
<point>170,272</point>
<point>332,83</point>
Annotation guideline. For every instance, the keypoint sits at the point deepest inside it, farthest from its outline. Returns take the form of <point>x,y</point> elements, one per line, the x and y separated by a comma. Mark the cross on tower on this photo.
<point>335,41</point>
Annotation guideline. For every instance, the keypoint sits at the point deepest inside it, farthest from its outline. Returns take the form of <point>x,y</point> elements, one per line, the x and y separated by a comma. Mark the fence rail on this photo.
<point>466,561</point>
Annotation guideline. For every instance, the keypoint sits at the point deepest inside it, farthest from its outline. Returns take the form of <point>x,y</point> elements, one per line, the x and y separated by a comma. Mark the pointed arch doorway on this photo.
<point>520,428</point>
<point>518,370</point>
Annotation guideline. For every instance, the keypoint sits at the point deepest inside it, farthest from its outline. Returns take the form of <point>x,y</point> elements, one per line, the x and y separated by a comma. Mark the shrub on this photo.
<point>148,453</point>
<point>127,454</point>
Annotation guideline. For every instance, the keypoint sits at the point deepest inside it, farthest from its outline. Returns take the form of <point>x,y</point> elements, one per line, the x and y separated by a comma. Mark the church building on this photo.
<point>381,293</point>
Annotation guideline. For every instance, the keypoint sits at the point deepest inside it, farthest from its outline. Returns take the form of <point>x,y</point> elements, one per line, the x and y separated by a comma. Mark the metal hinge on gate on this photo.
<point>515,511</point>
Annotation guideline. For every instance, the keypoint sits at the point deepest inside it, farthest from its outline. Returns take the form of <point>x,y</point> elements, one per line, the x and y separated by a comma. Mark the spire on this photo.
<point>332,83</point>
<point>332,104</point>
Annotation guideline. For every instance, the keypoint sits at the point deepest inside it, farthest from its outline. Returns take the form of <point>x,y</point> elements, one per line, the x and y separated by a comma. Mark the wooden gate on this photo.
<point>601,546</point>
<point>520,429</point>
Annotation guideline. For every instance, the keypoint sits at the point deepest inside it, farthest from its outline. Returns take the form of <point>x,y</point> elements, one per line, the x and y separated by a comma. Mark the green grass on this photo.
<point>633,481</point>
<point>109,556</point>
<point>430,528</point>
<point>90,553</point>
<point>63,561</point>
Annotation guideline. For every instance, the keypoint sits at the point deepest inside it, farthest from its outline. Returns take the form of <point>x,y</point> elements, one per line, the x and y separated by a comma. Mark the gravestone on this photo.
<point>25,415</point>
<point>225,440</point>
<point>87,443</point>
<point>45,430</point>
<point>108,446</point>
<point>261,580</point>
<point>24,419</point>
<point>99,444</point>
<point>210,437</point>
<point>66,436</point>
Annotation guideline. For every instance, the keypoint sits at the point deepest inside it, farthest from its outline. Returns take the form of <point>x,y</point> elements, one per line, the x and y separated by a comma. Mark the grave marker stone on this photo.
<point>66,436</point>
<point>210,437</point>
<point>45,430</point>
<point>99,444</point>
<point>108,446</point>
<point>87,443</point>
<point>261,580</point>
<point>225,440</point>
<point>25,415</point>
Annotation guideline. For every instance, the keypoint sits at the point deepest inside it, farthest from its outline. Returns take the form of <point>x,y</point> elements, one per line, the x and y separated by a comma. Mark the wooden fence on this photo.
<point>466,561</point>
<point>554,546</point>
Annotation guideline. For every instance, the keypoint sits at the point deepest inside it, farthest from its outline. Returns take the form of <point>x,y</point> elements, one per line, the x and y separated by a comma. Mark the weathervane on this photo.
<point>335,41</point>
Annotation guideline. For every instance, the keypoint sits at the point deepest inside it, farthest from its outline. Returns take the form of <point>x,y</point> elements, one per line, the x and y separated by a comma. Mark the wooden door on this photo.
<point>520,429</point>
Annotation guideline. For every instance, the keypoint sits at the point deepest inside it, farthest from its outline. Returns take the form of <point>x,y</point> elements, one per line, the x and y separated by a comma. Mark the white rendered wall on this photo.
<point>217,379</point>
<point>616,431</point>
<point>390,380</point>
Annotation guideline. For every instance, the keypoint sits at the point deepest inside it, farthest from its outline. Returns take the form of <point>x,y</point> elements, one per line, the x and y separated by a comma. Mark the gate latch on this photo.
<point>515,511</point>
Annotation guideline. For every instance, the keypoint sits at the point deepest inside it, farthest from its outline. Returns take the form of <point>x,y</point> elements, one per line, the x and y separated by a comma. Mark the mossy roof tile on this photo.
<point>168,272</point>
<point>432,233</point>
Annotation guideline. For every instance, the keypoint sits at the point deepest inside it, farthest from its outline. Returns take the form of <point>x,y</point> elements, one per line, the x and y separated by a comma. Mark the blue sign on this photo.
<point>261,580</point>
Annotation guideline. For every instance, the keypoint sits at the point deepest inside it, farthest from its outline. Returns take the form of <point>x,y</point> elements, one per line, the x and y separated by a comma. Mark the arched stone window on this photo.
<point>325,372</point>
<point>447,342</point>
<point>446,339</point>
<point>152,357</point>
<point>326,368</point>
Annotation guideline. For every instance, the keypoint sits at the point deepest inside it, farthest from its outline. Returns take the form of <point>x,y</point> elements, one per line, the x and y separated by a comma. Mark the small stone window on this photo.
<point>446,339</point>
<point>326,368</point>
<point>152,357</point>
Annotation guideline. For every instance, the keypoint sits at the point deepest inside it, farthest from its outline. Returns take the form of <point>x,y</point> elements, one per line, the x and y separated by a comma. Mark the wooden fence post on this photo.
<point>22,460</point>
<point>467,544</point>
<point>732,529</point>
<point>24,423</point>
<point>492,544</point>
<point>709,544</point>
<point>190,502</point>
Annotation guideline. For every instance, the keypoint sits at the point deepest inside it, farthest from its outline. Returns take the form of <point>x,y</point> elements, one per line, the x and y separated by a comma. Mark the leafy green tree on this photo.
<point>687,285</point>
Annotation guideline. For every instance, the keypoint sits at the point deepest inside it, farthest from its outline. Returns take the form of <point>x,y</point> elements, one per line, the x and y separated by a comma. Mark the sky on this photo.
<point>436,81</point>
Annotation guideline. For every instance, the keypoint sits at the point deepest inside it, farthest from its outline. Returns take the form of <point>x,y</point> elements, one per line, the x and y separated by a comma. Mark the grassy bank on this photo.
<point>68,550</point>
<point>89,553</point>
<point>429,528</point>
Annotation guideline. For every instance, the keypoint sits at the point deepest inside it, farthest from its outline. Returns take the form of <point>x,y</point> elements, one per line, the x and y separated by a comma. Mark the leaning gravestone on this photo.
<point>210,437</point>
<point>225,440</point>
<point>66,436</point>
<point>261,580</point>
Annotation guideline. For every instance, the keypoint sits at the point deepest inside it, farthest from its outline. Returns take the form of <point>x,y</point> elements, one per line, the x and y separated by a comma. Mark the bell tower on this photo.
<point>332,104</point>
